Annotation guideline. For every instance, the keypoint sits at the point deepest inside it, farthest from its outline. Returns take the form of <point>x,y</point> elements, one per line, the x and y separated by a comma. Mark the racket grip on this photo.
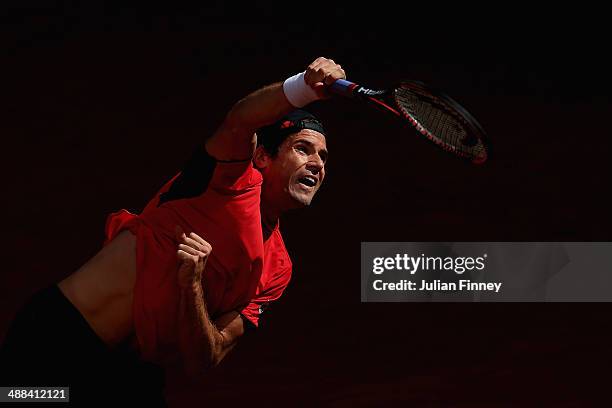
<point>343,87</point>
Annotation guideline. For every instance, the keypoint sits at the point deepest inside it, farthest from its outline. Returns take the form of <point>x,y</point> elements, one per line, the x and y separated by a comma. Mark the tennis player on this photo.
<point>181,282</point>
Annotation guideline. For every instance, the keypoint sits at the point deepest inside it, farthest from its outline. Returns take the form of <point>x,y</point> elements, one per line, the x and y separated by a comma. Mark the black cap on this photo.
<point>272,136</point>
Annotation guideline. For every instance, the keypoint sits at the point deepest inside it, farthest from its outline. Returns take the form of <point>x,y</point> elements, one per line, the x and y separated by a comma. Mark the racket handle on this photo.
<point>343,87</point>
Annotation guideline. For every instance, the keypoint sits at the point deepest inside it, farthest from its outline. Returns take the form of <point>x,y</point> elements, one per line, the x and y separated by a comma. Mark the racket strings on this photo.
<point>438,121</point>
<point>432,117</point>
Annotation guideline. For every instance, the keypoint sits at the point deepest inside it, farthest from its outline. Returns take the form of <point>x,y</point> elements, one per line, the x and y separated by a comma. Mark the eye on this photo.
<point>301,148</point>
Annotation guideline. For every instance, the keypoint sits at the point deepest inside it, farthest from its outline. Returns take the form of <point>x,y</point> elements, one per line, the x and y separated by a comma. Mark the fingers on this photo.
<point>201,246</point>
<point>192,254</point>
<point>199,239</point>
<point>187,257</point>
<point>193,244</point>
<point>192,251</point>
<point>323,71</point>
<point>333,76</point>
<point>319,62</point>
<point>190,269</point>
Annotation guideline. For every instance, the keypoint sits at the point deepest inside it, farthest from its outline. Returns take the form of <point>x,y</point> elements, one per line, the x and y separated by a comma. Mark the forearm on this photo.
<point>235,138</point>
<point>199,340</point>
<point>201,343</point>
<point>260,108</point>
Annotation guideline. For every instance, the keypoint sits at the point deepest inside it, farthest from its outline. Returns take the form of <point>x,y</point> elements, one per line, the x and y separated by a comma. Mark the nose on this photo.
<point>315,165</point>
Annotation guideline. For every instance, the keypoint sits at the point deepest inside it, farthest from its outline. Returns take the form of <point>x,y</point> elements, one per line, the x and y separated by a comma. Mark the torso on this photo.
<point>121,293</point>
<point>102,289</point>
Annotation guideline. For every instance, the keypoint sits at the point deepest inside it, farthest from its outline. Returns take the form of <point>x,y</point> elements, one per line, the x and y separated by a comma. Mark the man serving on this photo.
<point>183,280</point>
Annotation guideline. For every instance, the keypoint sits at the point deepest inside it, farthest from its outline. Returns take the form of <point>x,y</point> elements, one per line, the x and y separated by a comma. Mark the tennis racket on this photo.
<point>434,114</point>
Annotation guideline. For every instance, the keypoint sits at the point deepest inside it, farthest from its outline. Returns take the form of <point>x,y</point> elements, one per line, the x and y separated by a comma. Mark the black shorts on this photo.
<point>49,343</point>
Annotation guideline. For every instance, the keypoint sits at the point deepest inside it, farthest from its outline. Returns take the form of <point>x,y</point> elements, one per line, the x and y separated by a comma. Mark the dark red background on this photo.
<point>102,106</point>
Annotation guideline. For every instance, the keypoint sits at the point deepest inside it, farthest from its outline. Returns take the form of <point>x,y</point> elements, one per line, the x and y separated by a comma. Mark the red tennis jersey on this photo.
<point>220,202</point>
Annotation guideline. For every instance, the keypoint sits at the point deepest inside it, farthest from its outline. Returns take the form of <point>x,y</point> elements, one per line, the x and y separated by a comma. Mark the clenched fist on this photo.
<point>322,73</point>
<point>192,255</point>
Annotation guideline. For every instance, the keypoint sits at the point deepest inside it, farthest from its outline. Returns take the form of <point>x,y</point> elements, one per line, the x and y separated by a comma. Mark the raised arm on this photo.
<point>235,139</point>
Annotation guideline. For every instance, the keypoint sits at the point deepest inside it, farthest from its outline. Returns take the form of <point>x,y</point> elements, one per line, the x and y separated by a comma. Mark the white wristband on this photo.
<point>298,93</point>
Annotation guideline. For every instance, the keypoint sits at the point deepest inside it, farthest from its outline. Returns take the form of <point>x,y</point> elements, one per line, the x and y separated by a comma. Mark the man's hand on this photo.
<point>322,73</point>
<point>192,254</point>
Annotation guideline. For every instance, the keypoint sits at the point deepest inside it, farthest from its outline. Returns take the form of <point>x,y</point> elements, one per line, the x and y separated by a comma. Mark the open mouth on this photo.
<point>308,181</point>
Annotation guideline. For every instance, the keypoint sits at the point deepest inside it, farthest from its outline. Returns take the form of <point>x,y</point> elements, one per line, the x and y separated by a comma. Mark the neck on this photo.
<point>269,219</point>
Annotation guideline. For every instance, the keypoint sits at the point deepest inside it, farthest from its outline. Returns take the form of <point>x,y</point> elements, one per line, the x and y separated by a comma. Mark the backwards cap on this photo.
<point>272,136</point>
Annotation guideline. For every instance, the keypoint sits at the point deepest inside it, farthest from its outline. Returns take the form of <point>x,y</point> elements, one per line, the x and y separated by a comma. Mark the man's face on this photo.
<point>292,178</point>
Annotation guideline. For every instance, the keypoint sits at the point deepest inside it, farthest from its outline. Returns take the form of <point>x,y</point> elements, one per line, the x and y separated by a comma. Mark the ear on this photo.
<point>261,158</point>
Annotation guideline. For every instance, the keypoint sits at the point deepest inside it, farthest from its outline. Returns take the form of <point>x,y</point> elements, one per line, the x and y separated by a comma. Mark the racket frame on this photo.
<point>386,100</point>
